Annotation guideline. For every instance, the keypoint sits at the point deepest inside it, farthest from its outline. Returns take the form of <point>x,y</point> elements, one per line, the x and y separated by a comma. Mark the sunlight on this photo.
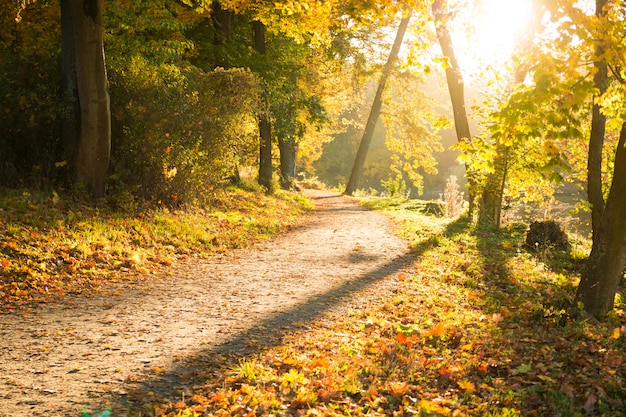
<point>497,27</point>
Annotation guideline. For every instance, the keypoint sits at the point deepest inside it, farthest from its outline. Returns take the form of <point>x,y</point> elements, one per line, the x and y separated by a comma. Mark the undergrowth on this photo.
<point>478,327</point>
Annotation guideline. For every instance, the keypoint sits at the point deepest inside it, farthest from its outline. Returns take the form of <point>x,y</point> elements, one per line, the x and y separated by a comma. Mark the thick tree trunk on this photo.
<point>359,162</point>
<point>288,152</point>
<point>456,89</point>
<point>605,266</point>
<point>94,147</point>
<point>265,128</point>
<point>596,138</point>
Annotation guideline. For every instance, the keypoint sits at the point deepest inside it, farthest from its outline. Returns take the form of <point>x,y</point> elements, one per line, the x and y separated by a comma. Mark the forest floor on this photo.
<point>131,340</point>
<point>336,316</point>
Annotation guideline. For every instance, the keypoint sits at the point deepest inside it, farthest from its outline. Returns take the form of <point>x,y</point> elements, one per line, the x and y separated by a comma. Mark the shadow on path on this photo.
<point>267,333</point>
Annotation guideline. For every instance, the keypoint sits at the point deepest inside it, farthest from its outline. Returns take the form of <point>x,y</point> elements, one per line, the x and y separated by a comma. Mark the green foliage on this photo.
<point>411,131</point>
<point>30,106</point>
<point>395,186</point>
<point>180,133</point>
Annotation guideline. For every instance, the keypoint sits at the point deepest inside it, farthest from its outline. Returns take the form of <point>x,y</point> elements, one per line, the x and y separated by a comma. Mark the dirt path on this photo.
<point>87,352</point>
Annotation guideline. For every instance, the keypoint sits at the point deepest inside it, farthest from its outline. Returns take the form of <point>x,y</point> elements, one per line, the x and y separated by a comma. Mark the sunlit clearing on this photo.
<point>496,29</point>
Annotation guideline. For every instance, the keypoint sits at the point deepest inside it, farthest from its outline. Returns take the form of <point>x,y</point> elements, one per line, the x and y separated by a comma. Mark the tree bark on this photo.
<point>288,152</point>
<point>221,20</point>
<point>605,266</point>
<point>456,89</point>
<point>265,127</point>
<point>359,162</point>
<point>70,122</point>
<point>596,137</point>
<point>94,145</point>
<point>493,193</point>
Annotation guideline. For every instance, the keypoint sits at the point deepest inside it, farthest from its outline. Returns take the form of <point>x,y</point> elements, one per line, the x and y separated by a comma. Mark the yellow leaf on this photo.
<point>617,332</point>
<point>467,385</point>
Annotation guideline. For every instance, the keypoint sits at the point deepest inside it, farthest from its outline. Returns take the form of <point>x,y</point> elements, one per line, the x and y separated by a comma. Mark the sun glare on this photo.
<point>496,28</point>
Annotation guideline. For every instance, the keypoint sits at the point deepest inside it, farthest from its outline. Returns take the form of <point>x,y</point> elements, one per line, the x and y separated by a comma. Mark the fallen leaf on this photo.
<point>617,333</point>
<point>467,386</point>
<point>590,403</point>
<point>398,388</point>
<point>436,331</point>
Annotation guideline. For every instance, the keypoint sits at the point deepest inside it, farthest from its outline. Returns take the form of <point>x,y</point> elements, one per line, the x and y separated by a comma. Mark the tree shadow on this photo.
<point>201,367</point>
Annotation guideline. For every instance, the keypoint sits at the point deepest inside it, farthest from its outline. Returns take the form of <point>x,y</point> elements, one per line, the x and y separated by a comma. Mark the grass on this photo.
<point>480,327</point>
<point>51,246</point>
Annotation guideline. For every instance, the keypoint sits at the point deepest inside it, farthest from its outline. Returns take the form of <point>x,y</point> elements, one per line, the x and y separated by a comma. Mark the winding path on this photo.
<point>89,351</point>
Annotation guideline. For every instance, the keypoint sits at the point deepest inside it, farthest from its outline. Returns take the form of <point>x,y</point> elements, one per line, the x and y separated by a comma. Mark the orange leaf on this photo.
<point>482,368</point>
<point>445,372</point>
<point>5,263</point>
<point>319,363</point>
<point>398,388</point>
<point>436,331</point>
<point>217,397</point>
<point>401,338</point>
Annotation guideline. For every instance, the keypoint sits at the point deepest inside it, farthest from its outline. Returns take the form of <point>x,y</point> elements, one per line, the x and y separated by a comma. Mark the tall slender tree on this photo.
<point>595,194</point>
<point>456,86</point>
<point>359,162</point>
<point>605,266</point>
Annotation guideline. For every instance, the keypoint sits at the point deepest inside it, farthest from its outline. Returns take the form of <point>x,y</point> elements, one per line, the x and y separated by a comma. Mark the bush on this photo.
<point>180,133</point>
<point>452,199</point>
<point>546,233</point>
<point>30,104</point>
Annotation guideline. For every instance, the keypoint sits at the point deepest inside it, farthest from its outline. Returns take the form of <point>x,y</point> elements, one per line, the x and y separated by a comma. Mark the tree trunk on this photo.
<point>70,123</point>
<point>596,137</point>
<point>359,162</point>
<point>456,88</point>
<point>221,31</point>
<point>490,212</point>
<point>288,152</point>
<point>94,146</point>
<point>265,128</point>
<point>605,266</point>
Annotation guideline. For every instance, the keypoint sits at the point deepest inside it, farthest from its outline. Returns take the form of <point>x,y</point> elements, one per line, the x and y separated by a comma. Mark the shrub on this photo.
<point>546,233</point>
<point>394,186</point>
<point>452,198</point>
<point>30,104</point>
<point>179,132</point>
